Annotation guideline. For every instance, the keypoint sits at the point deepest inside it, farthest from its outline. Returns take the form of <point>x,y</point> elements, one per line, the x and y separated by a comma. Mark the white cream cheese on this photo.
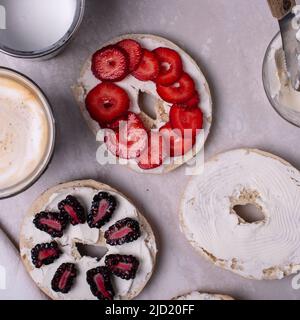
<point>133,87</point>
<point>141,248</point>
<point>267,249</point>
<point>24,132</point>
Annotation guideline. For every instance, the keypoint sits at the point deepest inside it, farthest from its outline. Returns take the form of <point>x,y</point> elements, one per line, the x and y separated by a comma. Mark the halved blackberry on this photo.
<point>123,231</point>
<point>100,283</point>
<point>103,207</point>
<point>64,277</point>
<point>53,223</point>
<point>45,253</point>
<point>121,266</point>
<point>72,208</point>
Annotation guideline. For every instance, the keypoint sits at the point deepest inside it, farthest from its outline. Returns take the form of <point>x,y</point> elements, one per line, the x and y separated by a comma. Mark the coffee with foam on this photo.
<point>25,133</point>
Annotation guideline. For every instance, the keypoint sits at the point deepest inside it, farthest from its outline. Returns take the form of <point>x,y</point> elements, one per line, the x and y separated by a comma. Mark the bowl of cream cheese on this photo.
<point>278,88</point>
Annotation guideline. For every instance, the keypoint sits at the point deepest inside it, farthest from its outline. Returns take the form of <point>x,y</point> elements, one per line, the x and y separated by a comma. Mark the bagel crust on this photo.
<point>144,248</point>
<point>263,250</point>
<point>203,296</point>
<point>87,81</point>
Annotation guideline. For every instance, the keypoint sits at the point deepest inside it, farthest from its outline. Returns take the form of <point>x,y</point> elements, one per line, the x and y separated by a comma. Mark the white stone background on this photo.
<point>228,39</point>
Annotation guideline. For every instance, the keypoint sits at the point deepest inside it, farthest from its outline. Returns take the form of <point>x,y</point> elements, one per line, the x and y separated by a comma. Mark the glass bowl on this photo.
<point>284,99</point>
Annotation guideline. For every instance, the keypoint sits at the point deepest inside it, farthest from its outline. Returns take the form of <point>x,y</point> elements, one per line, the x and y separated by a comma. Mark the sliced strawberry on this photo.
<point>194,101</point>
<point>106,102</point>
<point>111,139</point>
<point>154,154</point>
<point>129,139</point>
<point>180,92</point>
<point>116,123</point>
<point>174,139</point>
<point>134,51</point>
<point>171,67</point>
<point>110,64</point>
<point>184,118</point>
<point>148,68</point>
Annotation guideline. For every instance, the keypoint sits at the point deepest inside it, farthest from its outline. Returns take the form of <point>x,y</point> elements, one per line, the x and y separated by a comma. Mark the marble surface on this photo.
<point>228,39</point>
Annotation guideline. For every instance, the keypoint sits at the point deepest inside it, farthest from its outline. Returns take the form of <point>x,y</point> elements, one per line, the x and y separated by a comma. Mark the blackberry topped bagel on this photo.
<point>87,213</point>
<point>109,89</point>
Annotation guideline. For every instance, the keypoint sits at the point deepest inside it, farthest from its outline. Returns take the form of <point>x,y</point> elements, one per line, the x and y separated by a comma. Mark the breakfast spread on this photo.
<point>108,92</point>
<point>68,222</point>
<point>265,249</point>
<point>26,134</point>
<point>91,214</point>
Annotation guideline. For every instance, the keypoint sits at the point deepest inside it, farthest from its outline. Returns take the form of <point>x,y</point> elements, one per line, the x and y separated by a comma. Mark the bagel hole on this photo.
<point>147,104</point>
<point>250,213</point>
<point>91,251</point>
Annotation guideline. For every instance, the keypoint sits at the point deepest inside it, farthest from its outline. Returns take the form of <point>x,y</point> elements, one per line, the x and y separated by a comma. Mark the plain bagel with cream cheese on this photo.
<point>143,248</point>
<point>263,250</point>
<point>88,81</point>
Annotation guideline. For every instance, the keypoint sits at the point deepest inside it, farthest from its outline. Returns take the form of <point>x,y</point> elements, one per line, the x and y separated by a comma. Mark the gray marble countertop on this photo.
<point>228,39</point>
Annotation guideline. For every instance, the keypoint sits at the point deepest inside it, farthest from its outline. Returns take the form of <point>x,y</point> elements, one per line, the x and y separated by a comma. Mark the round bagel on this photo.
<point>144,248</point>
<point>267,249</point>
<point>88,81</point>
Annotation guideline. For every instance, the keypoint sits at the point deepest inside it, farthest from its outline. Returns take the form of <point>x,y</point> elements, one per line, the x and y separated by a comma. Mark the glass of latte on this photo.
<point>27,132</point>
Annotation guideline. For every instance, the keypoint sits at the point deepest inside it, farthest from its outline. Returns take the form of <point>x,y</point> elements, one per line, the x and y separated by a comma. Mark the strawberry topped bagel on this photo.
<point>64,228</point>
<point>149,101</point>
<point>261,244</point>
